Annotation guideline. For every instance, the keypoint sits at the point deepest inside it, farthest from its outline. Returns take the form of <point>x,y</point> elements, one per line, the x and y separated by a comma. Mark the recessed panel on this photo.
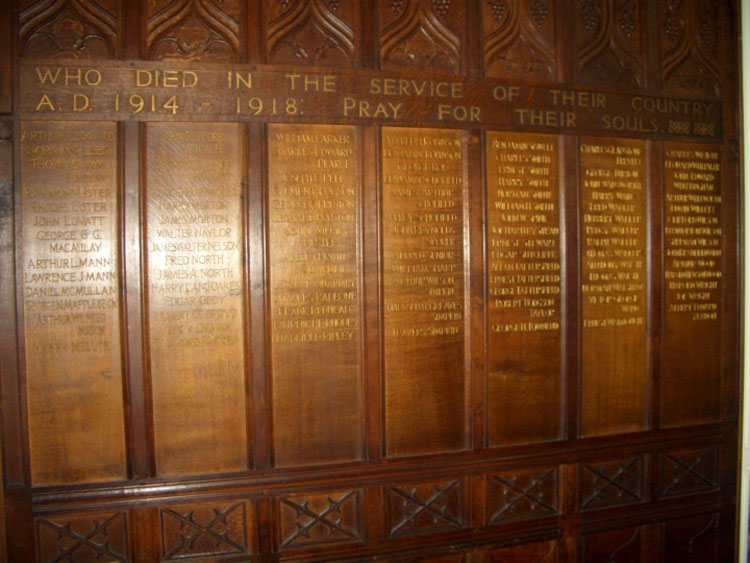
<point>195,296</point>
<point>613,285</point>
<point>71,299</point>
<point>423,290</point>
<point>314,293</point>
<point>693,283</point>
<point>523,288</point>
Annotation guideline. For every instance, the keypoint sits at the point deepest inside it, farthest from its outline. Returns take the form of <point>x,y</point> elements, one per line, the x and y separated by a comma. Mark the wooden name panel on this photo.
<point>71,301</point>
<point>424,320</point>
<point>524,288</point>
<point>393,280</point>
<point>613,226</point>
<point>313,213</point>
<point>194,251</point>
<point>693,277</point>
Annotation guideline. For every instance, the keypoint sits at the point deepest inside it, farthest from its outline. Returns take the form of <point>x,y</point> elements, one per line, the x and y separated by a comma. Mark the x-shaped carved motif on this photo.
<point>429,505</point>
<point>195,530</point>
<point>333,525</point>
<point>103,549</point>
<point>613,481</point>
<point>515,493</point>
<point>684,469</point>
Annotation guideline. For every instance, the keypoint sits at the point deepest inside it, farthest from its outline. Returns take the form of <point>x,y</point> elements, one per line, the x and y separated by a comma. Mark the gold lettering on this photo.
<point>45,102</point>
<point>165,78</point>
<point>506,93</point>
<point>545,118</point>
<point>80,102</point>
<point>458,113</point>
<point>578,99</point>
<point>362,108</point>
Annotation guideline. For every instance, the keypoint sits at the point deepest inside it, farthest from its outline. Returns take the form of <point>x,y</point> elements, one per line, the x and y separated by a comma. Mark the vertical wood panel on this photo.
<point>478,403</point>
<point>372,292</point>
<point>70,213</point>
<point>445,257</point>
<point>423,277</point>
<point>13,440</point>
<point>570,198</point>
<point>693,282</point>
<point>654,284</point>
<point>256,251</point>
<point>195,286</point>
<point>138,392</point>
<point>524,288</point>
<point>313,214</point>
<point>613,185</point>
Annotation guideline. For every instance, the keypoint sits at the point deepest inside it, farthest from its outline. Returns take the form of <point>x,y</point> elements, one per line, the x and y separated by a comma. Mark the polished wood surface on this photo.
<point>314,255</point>
<point>524,288</point>
<point>376,280</point>
<point>693,279</point>
<point>424,322</point>
<point>614,309</point>
<point>194,233</point>
<point>71,302</point>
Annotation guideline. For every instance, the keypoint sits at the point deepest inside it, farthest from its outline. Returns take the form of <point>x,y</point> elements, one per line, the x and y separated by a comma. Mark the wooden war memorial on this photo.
<point>369,280</point>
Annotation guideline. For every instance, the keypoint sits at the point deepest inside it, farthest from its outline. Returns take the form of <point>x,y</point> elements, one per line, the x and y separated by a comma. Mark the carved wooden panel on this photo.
<point>691,47</point>
<point>524,287</point>
<point>541,552</point>
<point>520,38</point>
<point>610,48</point>
<point>204,531</point>
<point>693,283</point>
<point>315,296</point>
<point>617,546</point>
<point>195,295</point>
<point>71,301</point>
<point>422,35</point>
<point>431,281</point>
<point>423,287</point>
<point>83,537</point>
<point>416,508</point>
<point>611,483</point>
<point>7,40</point>
<point>194,30</point>
<point>688,472</point>
<point>691,540</point>
<point>317,33</point>
<point>521,494</point>
<point>69,29</point>
<point>613,284</point>
<point>320,519</point>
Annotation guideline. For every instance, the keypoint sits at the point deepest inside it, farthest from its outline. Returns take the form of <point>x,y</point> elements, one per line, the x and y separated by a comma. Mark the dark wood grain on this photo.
<point>525,380</point>
<point>70,214</point>
<point>693,282</point>
<point>196,304</point>
<point>423,290</point>
<point>314,271</point>
<point>524,288</point>
<point>613,286</point>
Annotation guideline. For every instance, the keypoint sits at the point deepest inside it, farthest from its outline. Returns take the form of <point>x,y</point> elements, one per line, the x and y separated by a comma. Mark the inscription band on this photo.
<point>152,91</point>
